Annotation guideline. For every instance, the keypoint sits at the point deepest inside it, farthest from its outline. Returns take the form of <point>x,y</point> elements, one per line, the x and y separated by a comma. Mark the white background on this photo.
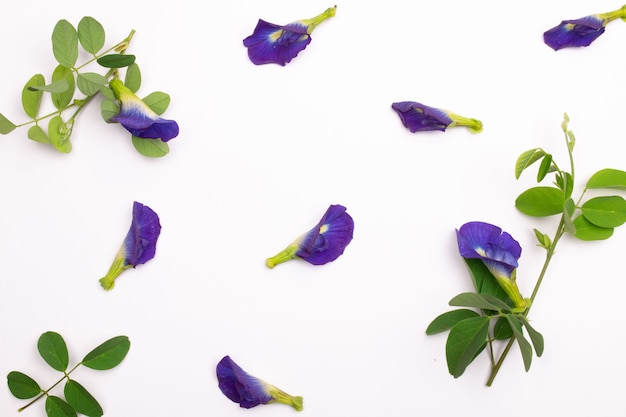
<point>262,152</point>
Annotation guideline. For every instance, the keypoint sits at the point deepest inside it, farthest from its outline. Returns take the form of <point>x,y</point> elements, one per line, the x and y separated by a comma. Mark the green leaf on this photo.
<point>543,239</point>
<point>62,99</point>
<point>157,101</point>
<point>56,407</point>
<point>65,43</point>
<point>524,345</point>
<point>609,211</point>
<point>482,301</point>
<point>55,87</point>
<point>568,212</point>
<point>116,60</point>
<point>59,134</point>
<point>6,126</point>
<point>535,337</point>
<point>108,355</point>
<point>90,83</point>
<point>37,134</point>
<point>502,329</point>
<point>447,320</point>
<point>108,93</point>
<point>540,201</point>
<point>81,400</point>
<point>585,230</point>
<point>484,281</point>
<point>22,386</point>
<point>109,109</point>
<point>90,34</point>
<point>544,167</point>
<point>31,99</point>
<point>608,178</point>
<point>526,159</point>
<point>565,182</point>
<point>464,342</point>
<point>132,80</point>
<point>53,350</point>
<point>154,148</point>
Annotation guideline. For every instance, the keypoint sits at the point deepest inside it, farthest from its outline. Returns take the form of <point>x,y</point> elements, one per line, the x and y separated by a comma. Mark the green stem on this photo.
<point>123,45</point>
<point>45,393</point>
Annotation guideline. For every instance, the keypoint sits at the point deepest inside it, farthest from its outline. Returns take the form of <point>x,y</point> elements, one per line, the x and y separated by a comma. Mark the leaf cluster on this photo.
<point>53,350</point>
<point>68,78</point>
<point>488,317</point>
<point>586,219</point>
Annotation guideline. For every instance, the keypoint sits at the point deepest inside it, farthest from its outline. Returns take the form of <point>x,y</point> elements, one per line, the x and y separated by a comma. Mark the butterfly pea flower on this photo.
<point>138,247</point>
<point>271,43</point>
<point>498,251</point>
<point>322,244</point>
<point>249,391</point>
<point>581,32</point>
<point>418,117</point>
<point>139,119</point>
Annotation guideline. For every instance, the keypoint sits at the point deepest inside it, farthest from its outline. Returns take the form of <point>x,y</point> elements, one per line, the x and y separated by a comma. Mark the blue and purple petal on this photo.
<point>323,243</point>
<point>279,44</point>
<point>139,245</point>
<point>247,390</point>
<point>575,33</point>
<point>418,117</point>
<point>139,119</point>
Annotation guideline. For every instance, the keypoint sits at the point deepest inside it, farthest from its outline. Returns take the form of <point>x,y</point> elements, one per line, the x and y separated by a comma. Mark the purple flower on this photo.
<point>271,43</point>
<point>498,251</point>
<point>139,119</point>
<point>418,117</point>
<point>323,243</point>
<point>249,391</point>
<point>139,245</point>
<point>580,32</point>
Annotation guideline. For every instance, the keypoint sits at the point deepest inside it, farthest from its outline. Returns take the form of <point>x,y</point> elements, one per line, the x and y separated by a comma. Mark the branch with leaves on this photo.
<point>149,131</point>
<point>496,312</point>
<point>53,350</point>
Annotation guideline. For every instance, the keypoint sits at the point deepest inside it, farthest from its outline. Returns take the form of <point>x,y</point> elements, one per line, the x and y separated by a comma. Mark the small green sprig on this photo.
<point>489,316</point>
<point>68,77</point>
<point>53,350</point>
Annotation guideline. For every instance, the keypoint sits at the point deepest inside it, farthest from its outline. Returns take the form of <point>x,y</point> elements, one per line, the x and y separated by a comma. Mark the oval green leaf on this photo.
<point>157,101</point>
<point>64,97</point>
<point>37,134</point>
<point>31,99</point>
<point>482,301</point>
<point>540,201</point>
<point>526,159</point>
<point>447,320</point>
<point>22,386</point>
<point>153,148</point>
<point>524,345</point>
<point>59,134</point>
<point>65,43</point>
<point>116,60</point>
<point>585,230</point>
<point>132,80</point>
<point>608,211</point>
<point>81,400</point>
<point>545,167</point>
<point>53,350</point>
<point>608,178</point>
<point>535,337</point>
<point>464,342</point>
<point>55,87</point>
<point>56,407</point>
<point>108,355</point>
<point>6,126</point>
<point>109,109</point>
<point>90,34</point>
<point>502,329</point>
<point>90,83</point>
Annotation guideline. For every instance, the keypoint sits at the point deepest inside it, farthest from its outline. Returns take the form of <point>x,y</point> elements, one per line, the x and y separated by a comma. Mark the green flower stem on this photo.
<point>313,22</point>
<point>282,397</point>
<point>615,14</point>
<point>45,393</point>
<point>474,125</point>
<point>560,231</point>
<point>285,255</point>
